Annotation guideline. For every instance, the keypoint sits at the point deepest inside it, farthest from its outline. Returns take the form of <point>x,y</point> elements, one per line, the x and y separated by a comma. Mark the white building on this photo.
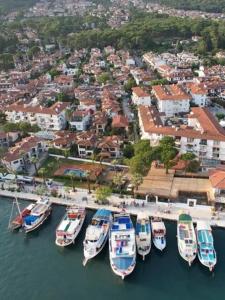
<point>19,156</point>
<point>203,135</point>
<point>198,93</point>
<point>140,97</point>
<point>171,99</point>
<point>80,120</point>
<point>47,118</point>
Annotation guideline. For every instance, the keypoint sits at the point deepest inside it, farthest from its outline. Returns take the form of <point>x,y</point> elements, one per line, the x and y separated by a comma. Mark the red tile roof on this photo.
<point>140,92</point>
<point>170,92</point>
<point>55,109</point>
<point>211,129</point>
<point>217,178</point>
<point>120,121</point>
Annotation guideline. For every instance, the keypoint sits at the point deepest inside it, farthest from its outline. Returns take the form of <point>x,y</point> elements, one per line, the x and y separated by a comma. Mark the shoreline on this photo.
<point>153,209</point>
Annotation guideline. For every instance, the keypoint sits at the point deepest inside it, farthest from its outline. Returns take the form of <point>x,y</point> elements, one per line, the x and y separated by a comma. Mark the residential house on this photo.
<point>80,120</point>
<point>86,143</point>
<point>120,122</point>
<point>110,147</point>
<point>99,122</point>
<point>19,156</point>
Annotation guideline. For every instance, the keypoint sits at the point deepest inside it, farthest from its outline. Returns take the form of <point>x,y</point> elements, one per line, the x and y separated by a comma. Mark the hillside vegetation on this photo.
<point>204,5</point>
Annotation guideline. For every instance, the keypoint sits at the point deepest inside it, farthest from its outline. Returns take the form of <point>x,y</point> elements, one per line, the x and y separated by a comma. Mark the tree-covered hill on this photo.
<point>204,5</point>
<point>7,6</point>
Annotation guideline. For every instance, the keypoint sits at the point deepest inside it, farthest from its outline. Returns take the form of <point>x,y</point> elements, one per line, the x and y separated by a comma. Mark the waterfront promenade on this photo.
<point>164,210</point>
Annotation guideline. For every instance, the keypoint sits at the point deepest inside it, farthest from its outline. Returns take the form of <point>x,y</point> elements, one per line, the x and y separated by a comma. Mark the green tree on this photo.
<point>129,85</point>
<point>43,173</point>
<point>167,155</point>
<point>103,78</point>
<point>102,193</point>
<point>118,181</point>
<point>136,180</point>
<point>193,166</point>
<point>128,151</point>
<point>220,116</point>
<point>73,178</point>
<point>33,51</point>
<point>23,156</point>
<point>34,161</point>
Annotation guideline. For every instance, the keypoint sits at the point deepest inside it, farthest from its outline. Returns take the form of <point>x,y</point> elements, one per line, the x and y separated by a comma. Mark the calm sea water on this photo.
<point>32,267</point>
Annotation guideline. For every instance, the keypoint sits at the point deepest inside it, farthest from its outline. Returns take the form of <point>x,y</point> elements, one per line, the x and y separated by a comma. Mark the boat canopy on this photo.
<point>185,218</point>
<point>102,213</point>
<point>68,226</point>
<point>30,219</point>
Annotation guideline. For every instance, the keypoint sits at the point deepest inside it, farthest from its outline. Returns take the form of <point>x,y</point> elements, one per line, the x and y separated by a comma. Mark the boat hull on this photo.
<point>159,244</point>
<point>207,264</point>
<point>91,254</point>
<point>123,273</point>
<point>39,223</point>
<point>188,258</point>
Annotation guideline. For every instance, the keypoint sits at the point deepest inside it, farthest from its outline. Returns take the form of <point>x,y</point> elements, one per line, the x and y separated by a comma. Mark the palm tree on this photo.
<point>22,154</point>
<point>43,173</point>
<point>136,180</point>
<point>102,193</point>
<point>93,157</point>
<point>66,153</point>
<point>58,159</point>
<point>34,161</point>
<point>118,181</point>
<point>114,163</point>
<point>88,173</point>
<point>72,177</point>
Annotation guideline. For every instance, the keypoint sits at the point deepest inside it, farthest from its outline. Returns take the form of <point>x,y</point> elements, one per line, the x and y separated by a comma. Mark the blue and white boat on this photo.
<point>97,234</point>
<point>143,234</point>
<point>39,213</point>
<point>206,250</point>
<point>122,248</point>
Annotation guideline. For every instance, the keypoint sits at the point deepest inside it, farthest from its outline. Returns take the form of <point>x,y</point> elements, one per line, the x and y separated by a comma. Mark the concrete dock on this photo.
<point>167,211</point>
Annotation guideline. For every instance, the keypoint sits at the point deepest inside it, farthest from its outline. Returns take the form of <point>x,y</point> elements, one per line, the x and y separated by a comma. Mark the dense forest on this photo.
<point>15,5</point>
<point>144,32</point>
<point>152,32</point>
<point>204,5</point>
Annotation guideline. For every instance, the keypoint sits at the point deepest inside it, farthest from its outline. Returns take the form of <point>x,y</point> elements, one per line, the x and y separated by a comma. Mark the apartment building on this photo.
<point>202,136</point>
<point>171,99</point>
<point>140,96</point>
<point>47,118</point>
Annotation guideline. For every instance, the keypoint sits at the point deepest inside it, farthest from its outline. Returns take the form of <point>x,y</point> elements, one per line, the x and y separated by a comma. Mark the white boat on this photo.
<point>70,226</point>
<point>143,234</point>
<point>186,238</point>
<point>97,234</point>
<point>39,213</point>
<point>158,233</point>
<point>206,250</point>
<point>122,248</point>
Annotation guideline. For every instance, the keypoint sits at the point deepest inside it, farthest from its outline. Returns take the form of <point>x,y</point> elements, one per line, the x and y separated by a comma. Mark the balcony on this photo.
<point>202,148</point>
<point>177,143</point>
